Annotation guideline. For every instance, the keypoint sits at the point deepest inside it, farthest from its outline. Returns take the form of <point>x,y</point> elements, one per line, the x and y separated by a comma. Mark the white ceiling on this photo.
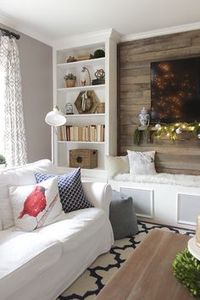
<point>54,19</point>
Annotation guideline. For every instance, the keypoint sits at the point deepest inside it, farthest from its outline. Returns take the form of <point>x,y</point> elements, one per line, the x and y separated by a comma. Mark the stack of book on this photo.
<point>90,133</point>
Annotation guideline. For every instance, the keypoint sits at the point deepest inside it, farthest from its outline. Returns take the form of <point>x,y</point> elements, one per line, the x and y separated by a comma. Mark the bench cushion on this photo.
<point>161,178</point>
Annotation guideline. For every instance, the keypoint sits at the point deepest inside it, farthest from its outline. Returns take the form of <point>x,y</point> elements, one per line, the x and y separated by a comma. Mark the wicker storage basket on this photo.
<point>83,158</point>
<point>70,83</point>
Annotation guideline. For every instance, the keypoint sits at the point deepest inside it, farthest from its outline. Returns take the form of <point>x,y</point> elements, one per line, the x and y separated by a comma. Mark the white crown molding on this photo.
<point>34,35</point>
<point>85,39</point>
<point>160,32</point>
<point>14,25</point>
<point>116,36</point>
<point>6,20</point>
<point>91,37</point>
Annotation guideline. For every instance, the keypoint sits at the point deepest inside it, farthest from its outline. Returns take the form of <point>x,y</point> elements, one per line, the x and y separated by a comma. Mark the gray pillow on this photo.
<point>122,216</point>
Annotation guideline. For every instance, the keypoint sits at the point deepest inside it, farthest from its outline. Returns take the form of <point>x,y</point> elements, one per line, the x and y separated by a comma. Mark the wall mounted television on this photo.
<point>175,91</point>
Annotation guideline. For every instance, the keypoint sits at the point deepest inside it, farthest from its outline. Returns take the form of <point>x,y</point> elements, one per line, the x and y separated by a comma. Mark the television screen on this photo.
<point>175,90</point>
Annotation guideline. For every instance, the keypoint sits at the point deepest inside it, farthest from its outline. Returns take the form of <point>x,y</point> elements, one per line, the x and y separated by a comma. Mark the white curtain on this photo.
<point>11,106</point>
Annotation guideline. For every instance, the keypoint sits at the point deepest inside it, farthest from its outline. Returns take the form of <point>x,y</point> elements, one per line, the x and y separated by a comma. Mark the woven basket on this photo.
<point>70,83</point>
<point>83,158</point>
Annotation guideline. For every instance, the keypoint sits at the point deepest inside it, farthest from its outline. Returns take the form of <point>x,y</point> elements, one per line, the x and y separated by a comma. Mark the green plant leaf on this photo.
<point>186,268</point>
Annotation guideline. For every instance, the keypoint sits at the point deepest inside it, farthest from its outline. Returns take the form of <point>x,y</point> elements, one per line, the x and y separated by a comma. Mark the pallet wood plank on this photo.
<point>134,59</point>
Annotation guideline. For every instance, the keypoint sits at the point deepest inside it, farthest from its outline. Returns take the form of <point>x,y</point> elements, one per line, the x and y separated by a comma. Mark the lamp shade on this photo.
<point>55,117</point>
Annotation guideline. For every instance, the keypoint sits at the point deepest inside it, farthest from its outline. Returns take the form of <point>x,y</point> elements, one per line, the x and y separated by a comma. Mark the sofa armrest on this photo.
<point>99,194</point>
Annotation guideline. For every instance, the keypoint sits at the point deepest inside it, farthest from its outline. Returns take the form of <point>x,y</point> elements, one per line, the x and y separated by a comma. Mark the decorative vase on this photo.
<point>70,83</point>
<point>144,117</point>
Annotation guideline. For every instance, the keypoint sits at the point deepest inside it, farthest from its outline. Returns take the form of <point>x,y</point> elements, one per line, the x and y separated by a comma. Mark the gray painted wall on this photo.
<point>37,93</point>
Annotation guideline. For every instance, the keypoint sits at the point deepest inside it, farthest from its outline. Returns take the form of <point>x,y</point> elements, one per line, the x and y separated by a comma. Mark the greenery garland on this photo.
<point>174,129</point>
<point>139,134</point>
<point>137,138</point>
<point>186,268</point>
<point>167,130</point>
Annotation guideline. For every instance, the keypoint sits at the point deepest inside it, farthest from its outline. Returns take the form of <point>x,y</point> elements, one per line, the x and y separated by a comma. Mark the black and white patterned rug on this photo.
<point>89,284</point>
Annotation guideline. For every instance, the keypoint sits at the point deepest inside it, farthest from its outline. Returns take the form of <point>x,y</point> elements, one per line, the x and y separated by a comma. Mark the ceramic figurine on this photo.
<point>85,78</point>
<point>69,109</point>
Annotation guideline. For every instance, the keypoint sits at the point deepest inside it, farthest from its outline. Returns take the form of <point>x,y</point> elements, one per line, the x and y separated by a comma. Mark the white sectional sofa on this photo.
<point>42,263</point>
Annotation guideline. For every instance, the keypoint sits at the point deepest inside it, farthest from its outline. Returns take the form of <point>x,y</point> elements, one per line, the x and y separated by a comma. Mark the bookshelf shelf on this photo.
<point>81,88</point>
<point>80,142</point>
<point>82,63</point>
<point>74,116</point>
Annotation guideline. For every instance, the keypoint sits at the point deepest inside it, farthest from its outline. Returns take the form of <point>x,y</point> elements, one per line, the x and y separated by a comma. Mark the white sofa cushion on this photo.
<point>18,249</point>
<point>18,176</point>
<point>75,227</point>
<point>75,241</point>
<point>35,206</point>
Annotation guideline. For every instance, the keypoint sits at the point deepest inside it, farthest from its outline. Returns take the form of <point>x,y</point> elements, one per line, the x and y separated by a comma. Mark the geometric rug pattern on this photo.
<point>89,284</point>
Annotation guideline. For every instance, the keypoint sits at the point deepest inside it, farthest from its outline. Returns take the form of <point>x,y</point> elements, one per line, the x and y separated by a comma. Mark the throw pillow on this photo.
<point>21,175</point>
<point>116,165</point>
<point>70,189</point>
<point>142,163</point>
<point>35,206</point>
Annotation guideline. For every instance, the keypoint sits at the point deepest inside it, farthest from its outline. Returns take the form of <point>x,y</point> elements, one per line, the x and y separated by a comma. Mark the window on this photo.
<point>2,115</point>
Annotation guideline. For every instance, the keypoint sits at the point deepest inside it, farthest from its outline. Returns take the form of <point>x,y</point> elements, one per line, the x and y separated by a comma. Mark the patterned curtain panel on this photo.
<point>14,131</point>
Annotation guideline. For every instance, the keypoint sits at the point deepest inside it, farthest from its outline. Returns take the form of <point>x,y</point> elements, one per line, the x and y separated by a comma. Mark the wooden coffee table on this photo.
<point>147,273</point>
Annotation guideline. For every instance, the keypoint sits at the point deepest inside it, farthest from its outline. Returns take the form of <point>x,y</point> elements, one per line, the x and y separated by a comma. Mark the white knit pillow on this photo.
<point>142,163</point>
<point>35,206</point>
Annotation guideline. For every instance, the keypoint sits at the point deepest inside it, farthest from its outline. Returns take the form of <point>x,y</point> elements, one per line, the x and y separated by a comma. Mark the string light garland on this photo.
<point>173,130</point>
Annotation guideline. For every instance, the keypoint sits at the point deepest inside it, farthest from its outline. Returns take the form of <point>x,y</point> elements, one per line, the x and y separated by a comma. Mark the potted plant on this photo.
<point>98,53</point>
<point>2,161</point>
<point>70,80</point>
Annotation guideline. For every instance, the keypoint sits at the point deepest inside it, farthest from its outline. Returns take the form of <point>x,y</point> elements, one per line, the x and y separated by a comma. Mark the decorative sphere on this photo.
<point>157,126</point>
<point>178,130</point>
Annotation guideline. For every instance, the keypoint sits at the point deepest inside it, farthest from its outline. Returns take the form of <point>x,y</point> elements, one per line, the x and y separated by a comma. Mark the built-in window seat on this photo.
<point>172,199</point>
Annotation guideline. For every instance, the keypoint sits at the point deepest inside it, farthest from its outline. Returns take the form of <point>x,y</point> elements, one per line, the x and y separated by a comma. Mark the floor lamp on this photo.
<point>54,118</point>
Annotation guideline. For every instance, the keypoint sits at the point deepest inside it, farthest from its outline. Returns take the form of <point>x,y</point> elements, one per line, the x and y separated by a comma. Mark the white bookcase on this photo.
<point>105,92</point>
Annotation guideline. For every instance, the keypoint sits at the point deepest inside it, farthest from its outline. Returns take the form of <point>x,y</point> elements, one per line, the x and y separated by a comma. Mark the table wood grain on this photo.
<point>147,273</point>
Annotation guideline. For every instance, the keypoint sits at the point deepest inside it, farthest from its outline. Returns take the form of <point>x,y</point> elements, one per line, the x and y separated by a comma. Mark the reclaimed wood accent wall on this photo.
<point>134,92</point>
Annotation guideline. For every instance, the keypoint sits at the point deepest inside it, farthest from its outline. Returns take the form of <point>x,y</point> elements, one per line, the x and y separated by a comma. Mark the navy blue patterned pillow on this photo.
<point>70,189</point>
